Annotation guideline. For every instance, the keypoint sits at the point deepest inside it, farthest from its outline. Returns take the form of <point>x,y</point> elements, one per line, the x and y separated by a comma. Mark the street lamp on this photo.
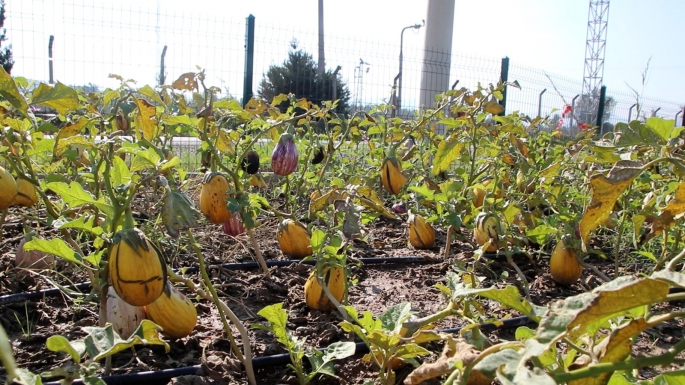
<point>399,75</point>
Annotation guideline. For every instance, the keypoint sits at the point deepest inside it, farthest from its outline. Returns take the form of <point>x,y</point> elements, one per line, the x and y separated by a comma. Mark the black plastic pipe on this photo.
<point>32,295</point>
<point>269,361</point>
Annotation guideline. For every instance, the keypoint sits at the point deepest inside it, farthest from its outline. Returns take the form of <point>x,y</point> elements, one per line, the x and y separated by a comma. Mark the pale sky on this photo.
<point>125,37</point>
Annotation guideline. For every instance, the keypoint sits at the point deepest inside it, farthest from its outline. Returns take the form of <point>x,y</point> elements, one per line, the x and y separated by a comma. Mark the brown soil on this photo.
<point>30,323</point>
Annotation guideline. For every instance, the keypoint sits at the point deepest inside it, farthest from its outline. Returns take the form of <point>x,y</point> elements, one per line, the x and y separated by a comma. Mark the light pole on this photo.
<point>399,83</point>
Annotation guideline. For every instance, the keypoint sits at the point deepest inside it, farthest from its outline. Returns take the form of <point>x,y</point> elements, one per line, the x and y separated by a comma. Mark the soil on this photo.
<point>377,286</point>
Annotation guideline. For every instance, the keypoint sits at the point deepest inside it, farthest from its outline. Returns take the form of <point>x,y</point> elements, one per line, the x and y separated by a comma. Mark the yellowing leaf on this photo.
<point>623,294</point>
<point>448,151</point>
<point>152,94</point>
<point>255,106</point>
<point>68,131</point>
<point>605,191</point>
<point>146,119</point>
<point>492,107</point>
<point>673,211</point>
<point>9,91</point>
<point>522,147</point>
<point>278,99</point>
<point>185,82</point>
<point>60,97</point>
<point>224,143</point>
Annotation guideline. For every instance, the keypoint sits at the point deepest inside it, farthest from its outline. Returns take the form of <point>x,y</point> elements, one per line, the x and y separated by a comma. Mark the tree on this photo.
<point>587,107</point>
<point>298,75</point>
<point>5,53</point>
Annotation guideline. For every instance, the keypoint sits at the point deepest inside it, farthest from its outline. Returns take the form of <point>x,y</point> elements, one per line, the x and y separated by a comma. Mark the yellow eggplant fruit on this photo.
<point>294,239</point>
<point>175,313</point>
<point>136,271</point>
<point>487,229</point>
<point>392,177</point>
<point>334,278</point>
<point>26,193</point>
<point>421,233</point>
<point>564,265</point>
<point>8,188</point>
<point>214,198</point>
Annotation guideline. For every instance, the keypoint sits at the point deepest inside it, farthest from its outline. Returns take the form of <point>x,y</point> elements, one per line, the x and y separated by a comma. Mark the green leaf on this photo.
<point>104,342</point>
<point>541,234</point>
<point>55,246</point>
<point>60,97</point>
<point>278,320</point>
<point>180,119</point>
<point>423,190</point>
<point>406,351</point>
<point>676,377</point>
<point>661,127</point>
<point>152,94</point>
<point>119,173</point>
<point>492,362</point>
<point>82,223</point>
<point>383,340</point>
<point>6,356</point>
<point>509,297</point>
<point>144,160</point>
<point>9,91</point>
<point>318,239</point>
<point>74,195</point>
<point>62,344</point>
<point>448,152</point>
<point>548,358</point>
<point>394,316</point>
<point>339,350</point>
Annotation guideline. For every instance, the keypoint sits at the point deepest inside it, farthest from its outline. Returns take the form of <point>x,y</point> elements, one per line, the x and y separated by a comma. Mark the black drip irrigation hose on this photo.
<point>33,295</point>
<point>270,361</point>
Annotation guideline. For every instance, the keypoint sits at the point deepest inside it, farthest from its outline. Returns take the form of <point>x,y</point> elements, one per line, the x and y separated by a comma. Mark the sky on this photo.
<point>93,39</point>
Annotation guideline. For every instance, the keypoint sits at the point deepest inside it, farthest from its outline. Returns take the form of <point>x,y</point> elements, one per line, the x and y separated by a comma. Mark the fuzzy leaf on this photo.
<point>55,246</point>
<point>104,342</point>
<point>395,315</point>
<point>586,313</point>
<point>60,97</point>
<point>146,119</point>
<point>278,320</point>
<point>74,195</point>
<point>152,94</point>
<point>605,192</point>
<point>9,91</point>
<point>448,151</point>
<point>672,212</point>
<point>62,344</point>
<point>662,127</point>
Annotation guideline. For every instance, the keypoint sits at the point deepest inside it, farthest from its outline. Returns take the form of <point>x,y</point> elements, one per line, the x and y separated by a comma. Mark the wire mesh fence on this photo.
<point>95,39</point>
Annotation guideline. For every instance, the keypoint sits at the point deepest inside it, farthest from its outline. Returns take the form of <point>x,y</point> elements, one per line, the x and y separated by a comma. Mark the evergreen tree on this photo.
<point>5,53</point>
<point>298,75</point>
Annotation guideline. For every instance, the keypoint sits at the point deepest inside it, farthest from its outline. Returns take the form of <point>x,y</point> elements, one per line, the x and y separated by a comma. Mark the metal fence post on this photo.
<point>52,39</point>
<point>504,77</point>
<point>249,60</point>
<point>600,108</point>
<point>540,102</point>
<point>683,122</point>
<point>630,111</point>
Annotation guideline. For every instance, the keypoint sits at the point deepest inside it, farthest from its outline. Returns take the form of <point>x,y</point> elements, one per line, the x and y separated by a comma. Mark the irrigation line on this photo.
<point>270,361</point>
<point>33,295</point>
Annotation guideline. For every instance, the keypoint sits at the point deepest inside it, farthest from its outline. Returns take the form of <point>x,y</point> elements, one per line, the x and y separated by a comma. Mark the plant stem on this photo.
<point>448,242</point>
<point>224,311</point>
<point>675,260</point>
<point>258,253</point>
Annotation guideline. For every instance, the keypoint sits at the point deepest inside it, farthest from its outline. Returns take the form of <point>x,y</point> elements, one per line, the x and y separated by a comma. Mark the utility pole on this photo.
<point>322,57</point>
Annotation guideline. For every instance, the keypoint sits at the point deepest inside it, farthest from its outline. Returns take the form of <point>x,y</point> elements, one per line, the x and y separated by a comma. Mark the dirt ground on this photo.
<point>378,286</point>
